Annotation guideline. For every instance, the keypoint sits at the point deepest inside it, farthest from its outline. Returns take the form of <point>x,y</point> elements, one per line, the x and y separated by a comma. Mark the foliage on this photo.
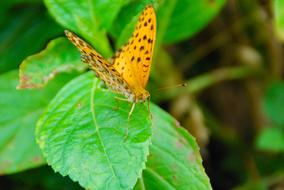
<point>59,56</point>
<point>18,118</point>
<point>279,18</point>
<point>63,116</point>
<point>272,138</point>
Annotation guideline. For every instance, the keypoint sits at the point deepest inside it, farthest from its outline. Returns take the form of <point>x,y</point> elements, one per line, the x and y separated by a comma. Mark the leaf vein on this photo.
<point>93,90</point>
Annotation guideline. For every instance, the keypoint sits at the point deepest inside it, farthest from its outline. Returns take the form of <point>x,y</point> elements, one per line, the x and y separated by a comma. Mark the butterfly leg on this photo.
<point>131,111</point>
<point>149,112</point>
<point>122,99</point>
<point>117,99</point>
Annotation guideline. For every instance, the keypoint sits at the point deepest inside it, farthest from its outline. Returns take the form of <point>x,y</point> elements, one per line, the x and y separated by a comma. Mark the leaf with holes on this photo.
<point>59,56</point>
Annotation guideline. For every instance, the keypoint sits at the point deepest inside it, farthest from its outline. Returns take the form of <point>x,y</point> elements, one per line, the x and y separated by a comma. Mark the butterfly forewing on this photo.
<point>133,61</point>
<point>129,73</point>
<point>103,69</point>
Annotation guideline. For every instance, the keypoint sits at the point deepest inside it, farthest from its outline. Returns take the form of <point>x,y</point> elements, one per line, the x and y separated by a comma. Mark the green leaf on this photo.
<point>279,17</point>
<point>164,15</point>
<point>87,18</point>
<point>85,134</point>
<point>189,17</point>
<point>92,146</point>
<point>23,33</point>
<point>177,20</point>
<point>271,139</point>
<point>19,112</point>
<point>174,161</point>
<point>126,21</point>
<point>59,56</point>
<point>274,102</point>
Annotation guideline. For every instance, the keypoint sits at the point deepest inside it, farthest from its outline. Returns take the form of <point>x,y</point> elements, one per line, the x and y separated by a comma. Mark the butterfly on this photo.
<point>129,70</point>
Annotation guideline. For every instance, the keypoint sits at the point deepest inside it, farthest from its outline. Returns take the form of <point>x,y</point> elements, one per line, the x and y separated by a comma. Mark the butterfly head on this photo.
<point>141,96</point>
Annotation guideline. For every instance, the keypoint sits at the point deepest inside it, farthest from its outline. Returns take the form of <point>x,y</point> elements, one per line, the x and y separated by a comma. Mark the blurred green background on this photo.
<point>230,53</point>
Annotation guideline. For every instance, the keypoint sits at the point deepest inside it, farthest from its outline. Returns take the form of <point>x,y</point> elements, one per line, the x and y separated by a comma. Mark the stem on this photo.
<point>273,44</point>
<point>204,81</point>
<point>208,79</point>
<point>265,181</point>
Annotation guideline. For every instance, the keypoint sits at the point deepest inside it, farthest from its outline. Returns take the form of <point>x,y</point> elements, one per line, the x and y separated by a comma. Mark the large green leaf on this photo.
<point>126,21</point>
<point>23,33</point>
<point>85,133</point>
<point>59,56</point>
<point>189,17</point>
<point>87,18</point>
<point>279,18</point>
<point>19,112</point>
<point>174,161</point>
<point>274,102</point>
<point>177,19</point>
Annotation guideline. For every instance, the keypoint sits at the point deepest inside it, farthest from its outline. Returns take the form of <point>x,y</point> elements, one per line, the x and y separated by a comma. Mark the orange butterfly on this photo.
<point>129,72</point>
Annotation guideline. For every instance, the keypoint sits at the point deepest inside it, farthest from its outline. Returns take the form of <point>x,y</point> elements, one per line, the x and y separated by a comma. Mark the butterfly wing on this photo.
<point>133,61</point>
<point>103,69</point>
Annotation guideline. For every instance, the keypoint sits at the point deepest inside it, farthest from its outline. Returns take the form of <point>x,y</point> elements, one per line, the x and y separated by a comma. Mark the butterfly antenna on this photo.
<point>173,86</point>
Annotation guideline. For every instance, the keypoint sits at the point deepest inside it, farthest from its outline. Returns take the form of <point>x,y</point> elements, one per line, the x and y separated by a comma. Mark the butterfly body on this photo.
<point>129,71</point>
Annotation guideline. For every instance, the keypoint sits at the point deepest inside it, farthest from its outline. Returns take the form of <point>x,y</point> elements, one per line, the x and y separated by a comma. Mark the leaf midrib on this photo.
<point>92,104</point>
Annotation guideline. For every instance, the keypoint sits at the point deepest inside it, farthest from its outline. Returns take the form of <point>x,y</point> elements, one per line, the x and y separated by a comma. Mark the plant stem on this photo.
<point>206,80</point>
<point>265,181</point>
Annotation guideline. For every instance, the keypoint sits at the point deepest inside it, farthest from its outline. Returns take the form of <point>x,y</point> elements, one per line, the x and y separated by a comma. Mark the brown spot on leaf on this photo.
<point>36,159</point>
<point>191,157</point>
